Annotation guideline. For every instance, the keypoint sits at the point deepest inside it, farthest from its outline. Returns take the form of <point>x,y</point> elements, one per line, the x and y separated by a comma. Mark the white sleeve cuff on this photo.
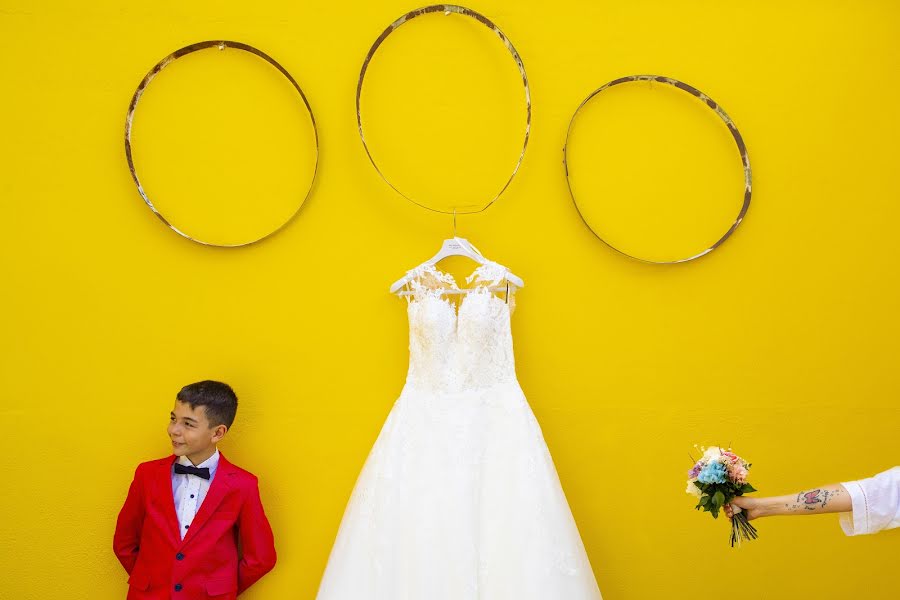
<point>857,521</point>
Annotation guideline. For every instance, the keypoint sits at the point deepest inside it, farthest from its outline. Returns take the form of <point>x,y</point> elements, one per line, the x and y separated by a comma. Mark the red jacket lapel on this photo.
<point>162,481</point>
<point>214,496</point>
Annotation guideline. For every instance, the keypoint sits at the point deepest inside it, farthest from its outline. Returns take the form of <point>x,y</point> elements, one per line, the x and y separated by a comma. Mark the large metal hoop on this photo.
<point>446,9</point>
<point>739,140</point>
<point>220,45</point>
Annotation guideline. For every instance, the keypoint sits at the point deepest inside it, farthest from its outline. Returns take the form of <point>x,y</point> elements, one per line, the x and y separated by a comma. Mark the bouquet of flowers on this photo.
<point>716,479</point>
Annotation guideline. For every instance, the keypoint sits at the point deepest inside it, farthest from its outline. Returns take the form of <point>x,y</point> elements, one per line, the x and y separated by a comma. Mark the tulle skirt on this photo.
<point>459,500</point>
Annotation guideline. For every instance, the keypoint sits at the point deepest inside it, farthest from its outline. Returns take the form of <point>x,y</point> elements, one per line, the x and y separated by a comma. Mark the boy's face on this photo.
<point>191,433</point>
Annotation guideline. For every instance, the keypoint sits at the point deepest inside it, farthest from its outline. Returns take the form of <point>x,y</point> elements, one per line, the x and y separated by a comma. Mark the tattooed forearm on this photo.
<point>816,499</point>
<point>824,499</point>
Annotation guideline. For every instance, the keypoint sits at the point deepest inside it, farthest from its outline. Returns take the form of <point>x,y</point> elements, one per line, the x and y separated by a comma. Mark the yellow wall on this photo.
<point>783,342</point>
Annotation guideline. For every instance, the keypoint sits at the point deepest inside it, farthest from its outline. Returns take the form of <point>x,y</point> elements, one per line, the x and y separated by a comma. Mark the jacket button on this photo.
<point>179,556</point>
<point>177,587</point>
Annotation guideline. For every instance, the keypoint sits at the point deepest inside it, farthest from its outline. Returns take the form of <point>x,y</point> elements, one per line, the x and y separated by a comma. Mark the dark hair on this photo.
<point>218,398</point>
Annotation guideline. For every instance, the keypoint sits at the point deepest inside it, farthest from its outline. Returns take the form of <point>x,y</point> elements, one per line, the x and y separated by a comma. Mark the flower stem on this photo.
<point>742,530</point>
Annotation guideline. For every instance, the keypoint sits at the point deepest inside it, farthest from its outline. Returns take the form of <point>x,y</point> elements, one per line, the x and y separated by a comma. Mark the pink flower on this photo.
<point>737,473</point>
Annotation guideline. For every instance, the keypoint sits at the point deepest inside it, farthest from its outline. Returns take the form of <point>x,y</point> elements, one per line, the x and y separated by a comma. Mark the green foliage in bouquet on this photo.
<point>716,495</point>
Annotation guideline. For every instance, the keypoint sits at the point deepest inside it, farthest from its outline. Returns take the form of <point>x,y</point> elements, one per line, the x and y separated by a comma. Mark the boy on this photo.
<point>193,525</point>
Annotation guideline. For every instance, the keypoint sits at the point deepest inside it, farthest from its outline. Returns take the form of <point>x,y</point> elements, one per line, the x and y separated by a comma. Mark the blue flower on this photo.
<point>714,472</point>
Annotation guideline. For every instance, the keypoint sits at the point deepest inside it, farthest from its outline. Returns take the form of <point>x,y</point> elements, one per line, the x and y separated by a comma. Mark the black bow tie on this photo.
<point>181,469</point>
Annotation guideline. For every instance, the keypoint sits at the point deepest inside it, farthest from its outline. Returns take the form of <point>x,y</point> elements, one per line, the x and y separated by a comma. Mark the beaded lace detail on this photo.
<point>468,348</point>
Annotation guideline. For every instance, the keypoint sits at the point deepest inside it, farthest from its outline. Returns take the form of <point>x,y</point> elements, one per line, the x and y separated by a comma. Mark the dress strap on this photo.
<point>490,274</point>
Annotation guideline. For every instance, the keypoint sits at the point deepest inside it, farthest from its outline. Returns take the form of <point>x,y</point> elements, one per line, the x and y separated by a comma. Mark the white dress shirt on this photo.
<point>190,490</point>
<point>876,503</point>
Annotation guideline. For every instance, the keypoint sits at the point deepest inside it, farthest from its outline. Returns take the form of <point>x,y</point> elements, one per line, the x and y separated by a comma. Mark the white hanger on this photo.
<point>455,246</point>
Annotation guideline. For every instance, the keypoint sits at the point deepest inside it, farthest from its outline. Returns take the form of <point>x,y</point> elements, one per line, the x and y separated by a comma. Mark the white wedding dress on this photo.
<point>459,498</point>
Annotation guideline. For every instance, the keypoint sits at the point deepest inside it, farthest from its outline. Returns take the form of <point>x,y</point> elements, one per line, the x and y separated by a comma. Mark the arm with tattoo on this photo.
<point>826,499</point>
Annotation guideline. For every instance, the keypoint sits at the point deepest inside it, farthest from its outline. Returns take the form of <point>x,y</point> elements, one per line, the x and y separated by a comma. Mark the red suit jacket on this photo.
<point>228,547</point>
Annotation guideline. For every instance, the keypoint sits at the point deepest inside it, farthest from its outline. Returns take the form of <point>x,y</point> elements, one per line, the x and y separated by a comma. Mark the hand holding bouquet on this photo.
<point>716,479</point>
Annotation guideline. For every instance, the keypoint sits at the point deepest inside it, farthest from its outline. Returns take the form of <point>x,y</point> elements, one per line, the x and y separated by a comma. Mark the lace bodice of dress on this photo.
<point>462,349</point>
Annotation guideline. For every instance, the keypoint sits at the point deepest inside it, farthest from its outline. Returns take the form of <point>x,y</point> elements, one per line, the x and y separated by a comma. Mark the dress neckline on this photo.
<point>488,274</point>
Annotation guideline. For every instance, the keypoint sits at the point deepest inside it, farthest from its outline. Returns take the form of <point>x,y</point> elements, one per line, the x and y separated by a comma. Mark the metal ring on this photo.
<point>742,148</point>
<point>221,45</point>
<point>446,9</point>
